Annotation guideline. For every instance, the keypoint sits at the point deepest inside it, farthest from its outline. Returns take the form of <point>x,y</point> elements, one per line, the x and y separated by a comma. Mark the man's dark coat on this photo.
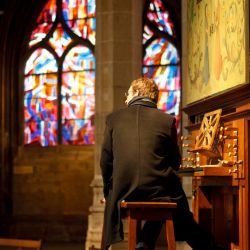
<point>139,156</point>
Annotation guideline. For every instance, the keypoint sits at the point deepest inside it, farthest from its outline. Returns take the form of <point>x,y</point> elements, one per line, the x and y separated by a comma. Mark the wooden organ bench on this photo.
<point>135,212</point>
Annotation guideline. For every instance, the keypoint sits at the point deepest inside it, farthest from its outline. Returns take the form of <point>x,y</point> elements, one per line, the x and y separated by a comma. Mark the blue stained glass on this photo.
<point>42,86</point>
<point>77,81</point>
<point>78,131</point>
<point>60,40</point>
<point>78,95</point>
<point>158,14</point>
<point>41,61</point>
<point>166,77</point>
<point>161,59</point>
<point>77,107</point>
<point>77,9</point>
<point>85,28</point>
<point>79,58</point>
<point>160,52</point>
<point>169,101</point>
<point>169,86</point>
<point>39,109</point>
<point>91,7</point>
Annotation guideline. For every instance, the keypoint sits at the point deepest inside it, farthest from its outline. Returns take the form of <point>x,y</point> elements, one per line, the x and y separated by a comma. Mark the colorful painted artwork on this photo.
<point>161,59</point>
<point>56,65</point>
<point>216,47</point>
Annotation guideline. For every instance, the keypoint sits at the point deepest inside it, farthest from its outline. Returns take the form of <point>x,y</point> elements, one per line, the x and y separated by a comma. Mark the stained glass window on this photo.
<point>160,57</point>
<point>59,75</point>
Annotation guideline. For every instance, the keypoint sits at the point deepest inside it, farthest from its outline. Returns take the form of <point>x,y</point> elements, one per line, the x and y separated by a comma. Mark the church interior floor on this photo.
<point>80,246</point>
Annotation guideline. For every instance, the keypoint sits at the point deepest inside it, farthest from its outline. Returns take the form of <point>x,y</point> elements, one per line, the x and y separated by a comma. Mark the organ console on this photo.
<point>216,153</point>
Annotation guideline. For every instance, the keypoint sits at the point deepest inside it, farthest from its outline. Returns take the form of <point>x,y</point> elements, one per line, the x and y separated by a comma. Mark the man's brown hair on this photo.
<point>145,87</point>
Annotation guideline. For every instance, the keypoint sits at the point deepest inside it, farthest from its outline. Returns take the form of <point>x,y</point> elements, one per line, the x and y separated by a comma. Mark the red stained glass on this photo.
<point>85,28</point>
<point>48,14</point>
<point>160,52</point>
<point>78,132</point>
<point>77,98</point>
<point>77,9</point>
<point>40,133</point>
<point>44,23</point>
<point>158,14</point>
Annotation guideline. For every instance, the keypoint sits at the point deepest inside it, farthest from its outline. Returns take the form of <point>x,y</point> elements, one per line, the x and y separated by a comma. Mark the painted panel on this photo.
<point>216,47</point>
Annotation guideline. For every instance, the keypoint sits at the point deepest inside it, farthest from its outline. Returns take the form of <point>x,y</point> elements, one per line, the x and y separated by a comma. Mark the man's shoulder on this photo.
<point>116,113</point>
<point>166,116</point>
<point>159,114</point>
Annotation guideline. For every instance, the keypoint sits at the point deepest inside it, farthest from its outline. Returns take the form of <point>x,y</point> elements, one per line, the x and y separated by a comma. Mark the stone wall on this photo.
<point>51,192</point>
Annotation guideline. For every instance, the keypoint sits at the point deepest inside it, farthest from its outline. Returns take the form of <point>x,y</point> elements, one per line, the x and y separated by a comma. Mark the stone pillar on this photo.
<point>118,56</point>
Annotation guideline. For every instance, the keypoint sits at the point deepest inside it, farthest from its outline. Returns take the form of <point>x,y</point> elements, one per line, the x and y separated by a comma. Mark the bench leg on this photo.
<point>132,227</point>
<point>170,233</point>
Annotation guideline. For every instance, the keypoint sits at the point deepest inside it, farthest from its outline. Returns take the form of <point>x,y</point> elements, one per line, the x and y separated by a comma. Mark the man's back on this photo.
<point>144,145</point>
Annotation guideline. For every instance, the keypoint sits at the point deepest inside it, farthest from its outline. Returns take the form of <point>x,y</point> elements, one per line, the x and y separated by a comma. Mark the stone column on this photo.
<point>118,56</point>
